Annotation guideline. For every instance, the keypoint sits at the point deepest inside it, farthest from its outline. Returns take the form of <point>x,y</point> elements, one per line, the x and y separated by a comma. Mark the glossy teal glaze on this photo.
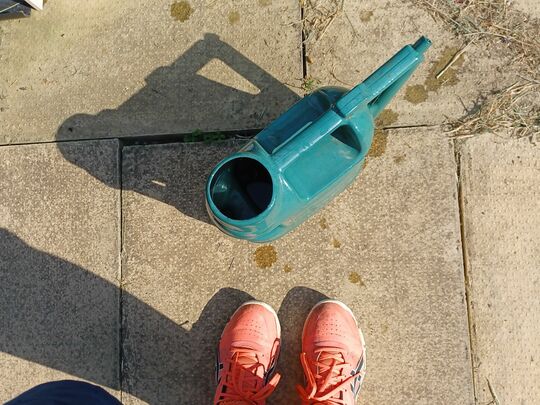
<point>307,156</point>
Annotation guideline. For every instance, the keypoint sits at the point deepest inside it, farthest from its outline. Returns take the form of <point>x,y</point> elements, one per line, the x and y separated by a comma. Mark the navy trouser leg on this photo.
<point>65,392</point>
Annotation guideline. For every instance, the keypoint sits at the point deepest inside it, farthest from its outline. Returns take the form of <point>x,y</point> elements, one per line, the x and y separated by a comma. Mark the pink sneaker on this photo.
<point>247,356</point>
<point>333,356</point>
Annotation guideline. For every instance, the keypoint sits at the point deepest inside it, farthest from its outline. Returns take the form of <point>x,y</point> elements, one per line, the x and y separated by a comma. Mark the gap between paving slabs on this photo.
<point>464,251</point>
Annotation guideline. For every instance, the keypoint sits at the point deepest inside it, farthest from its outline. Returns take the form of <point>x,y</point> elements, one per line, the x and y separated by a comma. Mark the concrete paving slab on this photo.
<point>110,69</point>
<point>59,244</point>
<point>367,33</point>
<point>389,247</point>
<point>501,201</point>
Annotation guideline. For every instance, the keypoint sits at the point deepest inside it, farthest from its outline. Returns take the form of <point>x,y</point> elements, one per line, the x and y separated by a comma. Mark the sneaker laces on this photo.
<point>326,385</point>
<point>241,383</point>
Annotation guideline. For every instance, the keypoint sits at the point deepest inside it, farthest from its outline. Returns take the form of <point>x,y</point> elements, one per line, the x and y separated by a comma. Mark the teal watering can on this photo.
<point>307,156</point>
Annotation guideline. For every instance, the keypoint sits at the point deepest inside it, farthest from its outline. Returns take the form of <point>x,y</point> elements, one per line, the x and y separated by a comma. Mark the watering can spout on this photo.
<point>379,88</point>
<point>422,44</point>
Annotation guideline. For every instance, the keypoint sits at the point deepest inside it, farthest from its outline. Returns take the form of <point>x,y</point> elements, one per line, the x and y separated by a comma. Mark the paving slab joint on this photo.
<point>303,39</point>
<point>467,278</point>
<point>120,275</point>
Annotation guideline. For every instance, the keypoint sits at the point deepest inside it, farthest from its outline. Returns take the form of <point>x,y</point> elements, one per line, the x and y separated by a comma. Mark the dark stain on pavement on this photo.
<point>365,15</point>
<point>419,93</point>
<point>386,118</point>
<point>378,146</point>
<point>399,159</point>
<point>181,11</point>
<point>323,223</point>
<point>416,94</point>
<point>355,278</point>
<point>234,17</point>
<point>449,78</point>
<point>265,256</point>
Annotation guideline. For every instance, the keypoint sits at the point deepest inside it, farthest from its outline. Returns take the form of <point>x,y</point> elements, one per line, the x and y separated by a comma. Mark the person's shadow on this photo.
<point>179,96</point>
<point>62,316</point>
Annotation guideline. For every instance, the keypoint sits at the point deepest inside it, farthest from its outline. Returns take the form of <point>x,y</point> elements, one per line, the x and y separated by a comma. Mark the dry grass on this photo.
<point>497,25</point>
<point>320,16</point>
<point>493,22</point>
<point>509,110</point>
<point>495,399</point>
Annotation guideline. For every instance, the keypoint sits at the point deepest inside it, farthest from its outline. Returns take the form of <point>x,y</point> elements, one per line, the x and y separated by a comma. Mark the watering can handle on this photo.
<point>379,88</point>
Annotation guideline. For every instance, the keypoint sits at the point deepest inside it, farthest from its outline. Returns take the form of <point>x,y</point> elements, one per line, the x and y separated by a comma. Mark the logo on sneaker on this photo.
<point>219,366</point>
<point>356,384</point>
<point>272,366</point>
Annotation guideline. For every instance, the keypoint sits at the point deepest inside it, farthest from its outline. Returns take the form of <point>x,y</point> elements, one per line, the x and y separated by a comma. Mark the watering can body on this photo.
<point>307,156</point>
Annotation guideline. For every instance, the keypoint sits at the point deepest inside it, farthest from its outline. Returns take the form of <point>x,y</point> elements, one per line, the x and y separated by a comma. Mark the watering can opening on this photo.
<point>241,188</point>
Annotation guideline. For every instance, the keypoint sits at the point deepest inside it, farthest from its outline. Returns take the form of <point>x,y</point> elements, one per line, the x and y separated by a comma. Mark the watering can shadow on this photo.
<point>307,156</point>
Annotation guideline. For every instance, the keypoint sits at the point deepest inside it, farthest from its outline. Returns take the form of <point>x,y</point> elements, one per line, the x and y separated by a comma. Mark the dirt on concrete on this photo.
<point>419,93</point>
<point>265,256</point>
<point>181,11</point>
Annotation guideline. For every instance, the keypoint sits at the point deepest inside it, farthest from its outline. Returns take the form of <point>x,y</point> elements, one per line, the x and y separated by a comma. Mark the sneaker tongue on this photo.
<point>328,361</point>
<point>246,360</point>
<point>251,371</point>
<point>247,357</point>
<point>331,356</point>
